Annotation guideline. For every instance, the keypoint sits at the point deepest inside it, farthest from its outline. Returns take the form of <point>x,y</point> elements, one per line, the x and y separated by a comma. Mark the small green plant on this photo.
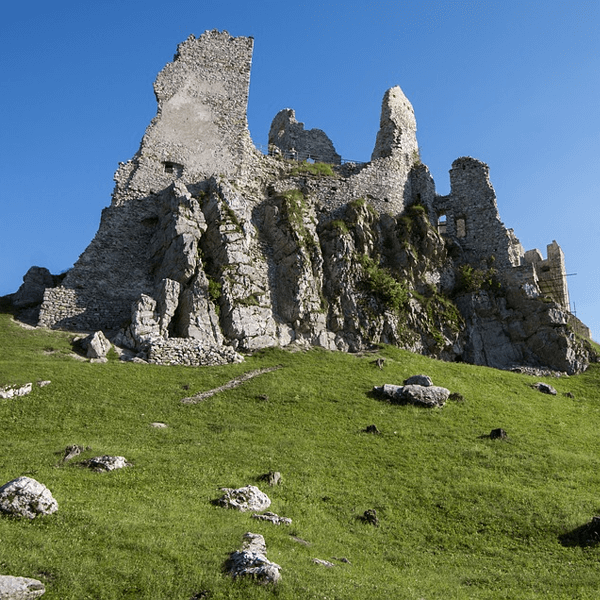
<point>295,206</point>
<point>382,283</point>
<point>319,169</point>
<point>250,300</point>
<point>472,279</point>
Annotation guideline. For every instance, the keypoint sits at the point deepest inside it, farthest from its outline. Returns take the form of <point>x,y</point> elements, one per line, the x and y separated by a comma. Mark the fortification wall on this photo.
<point>472,219</point>
<point>201,126</point>
<point>289,137</point>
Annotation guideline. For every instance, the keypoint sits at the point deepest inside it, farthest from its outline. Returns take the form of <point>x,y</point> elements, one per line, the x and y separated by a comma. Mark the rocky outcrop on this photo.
<point>210,248</point>
<point>289,138</point>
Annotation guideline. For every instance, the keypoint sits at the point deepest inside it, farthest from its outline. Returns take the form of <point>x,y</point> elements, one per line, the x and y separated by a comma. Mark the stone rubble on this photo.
<point>251,561</point>
<point>13,391</point>
<point>273,518</point>
<point>106,463</point>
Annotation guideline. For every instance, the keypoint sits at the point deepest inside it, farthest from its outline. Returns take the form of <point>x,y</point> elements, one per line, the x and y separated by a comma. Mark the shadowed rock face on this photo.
<point>210,247</point>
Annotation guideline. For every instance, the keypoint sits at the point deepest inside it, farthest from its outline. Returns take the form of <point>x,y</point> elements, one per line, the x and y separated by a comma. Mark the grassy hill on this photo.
<point>461,516</point>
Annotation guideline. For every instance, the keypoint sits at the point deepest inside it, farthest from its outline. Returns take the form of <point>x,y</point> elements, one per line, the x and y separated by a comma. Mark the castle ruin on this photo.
<point>210,247</point>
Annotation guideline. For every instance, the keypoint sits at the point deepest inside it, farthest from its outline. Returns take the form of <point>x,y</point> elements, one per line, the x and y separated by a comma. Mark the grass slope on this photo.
<point>461,516</point>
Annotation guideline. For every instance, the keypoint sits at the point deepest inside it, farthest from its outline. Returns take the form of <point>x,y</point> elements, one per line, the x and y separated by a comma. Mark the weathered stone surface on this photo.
<point>244,499</point>
<point>423,380</point>
<point>545,388</point>
<point>20,588</point>
<point>12,391</point>
<point>107,463</point>
<point>252,561</point>
<point>220,248</point>
<point>26,497</point>
<point>426,396</point>
<point>31,292</point>
<point>273,518</point>
<point>289,137</point>
<point>96,344</point>
<point>398,127</point>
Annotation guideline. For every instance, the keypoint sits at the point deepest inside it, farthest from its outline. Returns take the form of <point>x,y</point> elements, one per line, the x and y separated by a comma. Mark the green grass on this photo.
<point>461,516</point>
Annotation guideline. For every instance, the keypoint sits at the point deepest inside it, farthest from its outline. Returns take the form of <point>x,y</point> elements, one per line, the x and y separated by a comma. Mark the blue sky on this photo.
<point>513,83</point>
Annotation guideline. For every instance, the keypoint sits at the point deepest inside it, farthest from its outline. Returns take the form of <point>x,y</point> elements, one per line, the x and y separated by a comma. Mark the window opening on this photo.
<point>442,224</point>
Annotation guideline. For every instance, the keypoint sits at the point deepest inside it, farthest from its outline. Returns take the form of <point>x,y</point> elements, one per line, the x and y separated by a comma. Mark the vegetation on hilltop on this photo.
<point>460,516</point>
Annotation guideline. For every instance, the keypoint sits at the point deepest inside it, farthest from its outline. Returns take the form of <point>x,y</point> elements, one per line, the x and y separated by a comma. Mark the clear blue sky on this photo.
<point>513,83</point>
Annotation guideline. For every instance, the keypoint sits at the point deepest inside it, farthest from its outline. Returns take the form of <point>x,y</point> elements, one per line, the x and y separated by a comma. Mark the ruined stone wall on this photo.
<point>201,127</point>
<point>289,137</point>
<point>550,275</point>
<point>210,247</point>
<point>472,219</point>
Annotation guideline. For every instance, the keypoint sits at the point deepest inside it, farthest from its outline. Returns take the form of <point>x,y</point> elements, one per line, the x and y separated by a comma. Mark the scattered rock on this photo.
<point>544,388</point>
<point>273,478</point>
<point>569,394</point>
<point>498,434</point>
<point>11,391</point>
<point>106,463</point>
<point>324,563</point>
<point>456,397</point>
<point>342,559</point>
<point>26,497</point>
<point>380,363</point>
<point>252,561</point>
<point>73,451</point>
<point>263,397</point>
<point>159,425</point>
<point>20,588</point>
<point>419,395</point>
<point>300,540</point>
<point>275,519</point>
<point>44,383</point>
<point>372,429</point>
<point>423,380</point>
<point>244,499</point>
<point>96,345</point>
<point>370,517</point>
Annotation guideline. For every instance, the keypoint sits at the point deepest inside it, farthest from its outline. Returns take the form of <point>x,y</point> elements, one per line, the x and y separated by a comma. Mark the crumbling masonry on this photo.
<point>210,247</point>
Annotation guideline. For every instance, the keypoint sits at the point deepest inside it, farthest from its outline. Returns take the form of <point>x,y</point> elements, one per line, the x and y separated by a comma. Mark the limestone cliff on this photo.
<point>210,247</point>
